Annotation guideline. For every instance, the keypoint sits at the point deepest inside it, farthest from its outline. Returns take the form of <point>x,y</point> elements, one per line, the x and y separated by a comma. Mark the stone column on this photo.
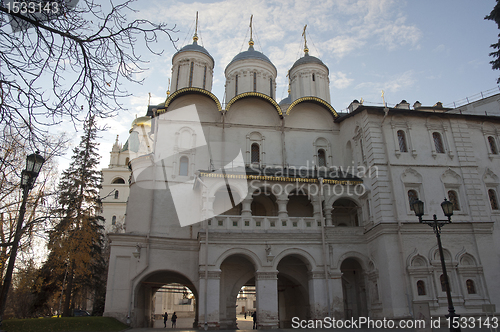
<point>246,207</point>
<point>266,286</point>
<point>213,297</point>
<point>327,212</point>
<point>282,201</point>
<point>317,295</point>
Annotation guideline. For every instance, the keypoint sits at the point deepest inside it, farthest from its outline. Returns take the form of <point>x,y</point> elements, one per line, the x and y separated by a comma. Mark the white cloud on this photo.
<point>340,80</point>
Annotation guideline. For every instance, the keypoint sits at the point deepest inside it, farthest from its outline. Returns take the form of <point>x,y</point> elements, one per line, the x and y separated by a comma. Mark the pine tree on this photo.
<point>495,16</point>
<point>76,241</point>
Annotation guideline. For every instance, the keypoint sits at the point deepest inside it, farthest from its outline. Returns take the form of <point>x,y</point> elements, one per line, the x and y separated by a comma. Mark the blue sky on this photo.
<point>423,50</point>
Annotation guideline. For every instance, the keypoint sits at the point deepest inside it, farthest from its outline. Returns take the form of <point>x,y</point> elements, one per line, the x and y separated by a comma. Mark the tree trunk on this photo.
<point>69,291</point>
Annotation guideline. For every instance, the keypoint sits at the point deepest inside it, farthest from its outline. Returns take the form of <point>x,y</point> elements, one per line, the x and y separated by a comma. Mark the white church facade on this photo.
<point>313,212</point>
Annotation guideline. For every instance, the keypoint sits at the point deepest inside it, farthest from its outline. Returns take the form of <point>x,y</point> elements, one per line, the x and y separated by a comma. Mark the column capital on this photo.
<point>211,274</point>
<point>273,275</point>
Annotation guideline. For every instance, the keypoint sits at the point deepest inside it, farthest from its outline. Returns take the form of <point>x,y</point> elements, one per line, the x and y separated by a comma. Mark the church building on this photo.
<point>309,208</point>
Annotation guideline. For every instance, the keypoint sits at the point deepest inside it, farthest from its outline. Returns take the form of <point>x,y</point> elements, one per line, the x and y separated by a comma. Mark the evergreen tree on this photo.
<point>76,241</point>
<point>495,16</point>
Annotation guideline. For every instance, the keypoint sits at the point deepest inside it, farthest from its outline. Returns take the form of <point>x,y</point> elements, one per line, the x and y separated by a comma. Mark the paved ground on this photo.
<point>186,325</point>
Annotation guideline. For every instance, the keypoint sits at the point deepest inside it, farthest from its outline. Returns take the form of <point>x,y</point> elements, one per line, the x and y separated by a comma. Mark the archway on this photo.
<point>264,203</point>
<point>345,213</point>
<point>293,290</point>
<point>237,271</point>
<point>166,291</point>
<point>353,289</point>
<point>299,204</point>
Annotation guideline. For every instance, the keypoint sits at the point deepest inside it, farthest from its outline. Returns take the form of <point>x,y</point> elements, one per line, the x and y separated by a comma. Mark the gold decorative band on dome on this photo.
<point>315,100</point>
<point>277,178</point>
<point>184,91</point>
<point>258,95</point>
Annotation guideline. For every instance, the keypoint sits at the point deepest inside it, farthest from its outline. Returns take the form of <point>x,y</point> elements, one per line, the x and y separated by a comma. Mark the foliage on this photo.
<point>87,324</point>
<point>495,16</point>
<point>58,61</point>
<point>75,263</point>
<point>39,202</point>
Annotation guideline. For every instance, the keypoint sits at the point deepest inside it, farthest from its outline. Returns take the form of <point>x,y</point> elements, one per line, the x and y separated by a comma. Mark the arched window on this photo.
<point>254,82</point>
<point>113,220</point>
<point>255,153</point>
<point>191,74</point>
<point>127,160</point>
<point>438,142</point>
<point>421,287</point>
<point>412,196</point>
<point>117,193</point>
<point>453,197</point>
<point>321,157</point>
<point>314,78</point>
<point>183,166</point>
<point>493,145</point>
<point>402,141</point>
<point>443,285</point>
<point>493,199</point>
<point>271,87</point>
<point>471,288</point>
<point>118,181</point>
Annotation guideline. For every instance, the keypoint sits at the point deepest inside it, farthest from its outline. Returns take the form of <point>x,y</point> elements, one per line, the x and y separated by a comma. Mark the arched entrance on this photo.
<point>345,213</point>
<point>293,290</point>
<point>237,271</point>
<point>353,289</point>
<point>165,291</point>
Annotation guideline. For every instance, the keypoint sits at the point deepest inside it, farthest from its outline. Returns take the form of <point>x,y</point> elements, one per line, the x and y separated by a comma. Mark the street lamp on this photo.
<point>34,163</point>
<point>447,206</point>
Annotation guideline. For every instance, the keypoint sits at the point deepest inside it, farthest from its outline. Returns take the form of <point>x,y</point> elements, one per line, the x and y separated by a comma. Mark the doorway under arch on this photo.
<point>151,289</point>
<point>293,290</point>
<point>353,289</point>
<point>345,213</point>
<point>236,271</point>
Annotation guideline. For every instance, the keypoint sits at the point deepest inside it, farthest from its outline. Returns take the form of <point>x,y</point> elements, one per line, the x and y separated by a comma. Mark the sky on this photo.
<point>426,51</point>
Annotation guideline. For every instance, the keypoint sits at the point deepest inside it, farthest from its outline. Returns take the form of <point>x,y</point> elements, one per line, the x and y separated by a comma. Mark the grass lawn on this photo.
<point>65,324</point>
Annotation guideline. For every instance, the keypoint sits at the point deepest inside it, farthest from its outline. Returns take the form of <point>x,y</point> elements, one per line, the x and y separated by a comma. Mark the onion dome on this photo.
<point>194,47</point>
<point>250,71</point>
<point>308,59</point>
<point>251,53</point>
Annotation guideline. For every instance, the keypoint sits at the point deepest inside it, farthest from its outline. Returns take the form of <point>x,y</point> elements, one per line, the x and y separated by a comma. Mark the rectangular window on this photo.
<point>271,87</point>
<point>205,77</point>
<point>177,81</point>
<point>236,85</point>
<point>438,142</point>
<point>191,74</point>
<point>254,82</point>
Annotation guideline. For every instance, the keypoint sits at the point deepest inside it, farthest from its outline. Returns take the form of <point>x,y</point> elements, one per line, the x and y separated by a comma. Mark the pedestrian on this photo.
<point>245,315</point>
<point>174,320</point>
<point>254,315</point>
<point>165,318</point>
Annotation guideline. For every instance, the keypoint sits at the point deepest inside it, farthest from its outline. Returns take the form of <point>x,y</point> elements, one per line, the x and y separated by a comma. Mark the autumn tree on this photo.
<point>75,260</point>
<point>495,16</point>
<point>59,58</point>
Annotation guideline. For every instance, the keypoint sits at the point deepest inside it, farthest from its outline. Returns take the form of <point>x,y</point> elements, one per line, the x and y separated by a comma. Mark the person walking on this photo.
<point>165,318</point>
<point>174,320</point>
<point>254,315</point>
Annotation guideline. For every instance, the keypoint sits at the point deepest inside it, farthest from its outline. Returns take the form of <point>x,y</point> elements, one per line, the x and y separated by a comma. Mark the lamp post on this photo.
<point>447,206</point>
<point>34,163</point>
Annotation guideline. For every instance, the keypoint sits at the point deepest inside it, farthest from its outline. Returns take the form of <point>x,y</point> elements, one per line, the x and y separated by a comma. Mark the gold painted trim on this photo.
<point>315,99</point>
<point>276,178</point>
<point>258,95</point>
<point>187,90</point>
